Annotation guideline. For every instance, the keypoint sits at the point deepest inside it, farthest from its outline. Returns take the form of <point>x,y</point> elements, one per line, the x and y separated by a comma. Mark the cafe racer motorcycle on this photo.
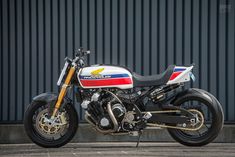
<point>119,102</point>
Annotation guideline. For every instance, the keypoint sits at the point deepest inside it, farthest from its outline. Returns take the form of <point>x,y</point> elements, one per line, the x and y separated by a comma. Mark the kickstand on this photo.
<point>140,133</point>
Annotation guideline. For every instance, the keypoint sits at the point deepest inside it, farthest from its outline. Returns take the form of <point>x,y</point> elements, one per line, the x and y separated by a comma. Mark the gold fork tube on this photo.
<point>63,91</point>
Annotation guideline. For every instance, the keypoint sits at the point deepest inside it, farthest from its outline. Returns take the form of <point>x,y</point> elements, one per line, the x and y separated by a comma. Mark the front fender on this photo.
<point>45,97</point>
<point>50,99</point>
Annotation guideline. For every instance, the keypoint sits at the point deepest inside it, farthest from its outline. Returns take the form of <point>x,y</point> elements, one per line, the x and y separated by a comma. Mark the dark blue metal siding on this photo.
<point>144,35</point>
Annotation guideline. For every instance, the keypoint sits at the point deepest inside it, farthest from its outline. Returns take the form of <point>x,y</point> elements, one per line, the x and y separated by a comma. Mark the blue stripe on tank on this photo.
<point>179,69</point>
<point>103,76</point>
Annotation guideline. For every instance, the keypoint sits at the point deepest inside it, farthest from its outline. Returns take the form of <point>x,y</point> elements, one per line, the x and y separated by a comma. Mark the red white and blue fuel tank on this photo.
<point>104,76</point>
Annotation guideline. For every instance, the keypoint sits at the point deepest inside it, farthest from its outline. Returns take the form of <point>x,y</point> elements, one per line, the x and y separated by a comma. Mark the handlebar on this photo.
<point>81,53</point>
<point>79,56</point>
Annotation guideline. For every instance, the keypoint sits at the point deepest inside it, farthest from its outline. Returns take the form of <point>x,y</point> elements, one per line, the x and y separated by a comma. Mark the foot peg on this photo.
<point>147,115</point>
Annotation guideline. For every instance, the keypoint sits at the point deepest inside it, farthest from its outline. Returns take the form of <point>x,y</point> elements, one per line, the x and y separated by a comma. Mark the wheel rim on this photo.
<point>208,116</point>
<point>47,129</point>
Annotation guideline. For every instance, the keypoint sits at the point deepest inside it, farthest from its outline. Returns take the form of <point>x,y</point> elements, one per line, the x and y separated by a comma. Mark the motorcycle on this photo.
<point>119,102</point>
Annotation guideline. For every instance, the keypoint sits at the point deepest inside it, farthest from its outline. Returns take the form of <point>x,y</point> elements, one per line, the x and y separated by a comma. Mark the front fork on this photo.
<point>63,91</point>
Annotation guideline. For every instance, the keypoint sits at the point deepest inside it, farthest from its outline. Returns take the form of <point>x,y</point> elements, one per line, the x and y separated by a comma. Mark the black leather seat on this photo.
<point>153,80</point>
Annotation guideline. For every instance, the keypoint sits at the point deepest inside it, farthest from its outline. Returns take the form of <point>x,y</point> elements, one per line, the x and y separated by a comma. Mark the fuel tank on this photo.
<point>103,76</point>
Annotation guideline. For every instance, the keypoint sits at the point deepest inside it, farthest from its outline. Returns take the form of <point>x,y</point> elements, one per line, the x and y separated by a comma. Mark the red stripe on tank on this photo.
<point>106,82</point>
<point>174,75</point>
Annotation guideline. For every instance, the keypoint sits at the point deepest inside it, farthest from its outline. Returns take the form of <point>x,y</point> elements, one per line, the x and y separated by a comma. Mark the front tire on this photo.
<point>214,113</point>
<point>53,137</point>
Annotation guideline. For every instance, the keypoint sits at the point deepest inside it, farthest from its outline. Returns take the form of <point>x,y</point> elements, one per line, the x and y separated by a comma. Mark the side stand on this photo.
<point>140,133</point>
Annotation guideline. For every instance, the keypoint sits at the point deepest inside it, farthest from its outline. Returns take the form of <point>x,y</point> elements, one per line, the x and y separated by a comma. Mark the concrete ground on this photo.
<point>15,134</point>
<point>117,149</point>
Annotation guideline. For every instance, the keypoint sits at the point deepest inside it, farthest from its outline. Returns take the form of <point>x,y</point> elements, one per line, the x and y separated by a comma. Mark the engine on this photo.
<point>119,111</point>
<point>108,113</point>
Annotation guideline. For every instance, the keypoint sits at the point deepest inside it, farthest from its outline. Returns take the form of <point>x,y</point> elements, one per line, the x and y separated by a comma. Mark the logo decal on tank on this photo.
<point>97,72</point>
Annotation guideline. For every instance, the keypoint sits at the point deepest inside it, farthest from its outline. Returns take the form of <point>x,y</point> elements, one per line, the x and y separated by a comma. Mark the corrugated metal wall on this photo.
<point>144,35</point>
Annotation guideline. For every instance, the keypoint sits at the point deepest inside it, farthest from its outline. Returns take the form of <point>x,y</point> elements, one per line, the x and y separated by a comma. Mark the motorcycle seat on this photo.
<point>153,80</point>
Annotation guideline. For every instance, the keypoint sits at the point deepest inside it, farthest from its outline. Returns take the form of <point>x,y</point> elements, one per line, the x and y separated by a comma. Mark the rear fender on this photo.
<point>196,91</point>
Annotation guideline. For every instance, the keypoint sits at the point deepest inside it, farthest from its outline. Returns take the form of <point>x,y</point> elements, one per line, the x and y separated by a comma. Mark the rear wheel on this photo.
<point>205,103</point>
<point>48,133</point>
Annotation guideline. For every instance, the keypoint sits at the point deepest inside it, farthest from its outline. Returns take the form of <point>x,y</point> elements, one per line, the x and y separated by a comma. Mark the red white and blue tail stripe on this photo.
<point>180,74</point>
<point>177,72</point>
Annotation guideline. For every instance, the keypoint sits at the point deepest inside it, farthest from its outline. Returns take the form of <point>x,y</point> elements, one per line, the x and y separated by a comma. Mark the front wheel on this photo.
<point>208,105</point>
<point>46,133</point>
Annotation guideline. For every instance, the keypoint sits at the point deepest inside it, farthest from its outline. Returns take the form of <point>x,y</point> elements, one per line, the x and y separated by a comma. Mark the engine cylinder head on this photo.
<point>95,97</point>
<point>85,104</point>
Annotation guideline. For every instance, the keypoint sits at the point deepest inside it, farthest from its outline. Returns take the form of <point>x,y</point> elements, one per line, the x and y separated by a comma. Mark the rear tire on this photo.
<point>40,140</point>
<point>217,118</point>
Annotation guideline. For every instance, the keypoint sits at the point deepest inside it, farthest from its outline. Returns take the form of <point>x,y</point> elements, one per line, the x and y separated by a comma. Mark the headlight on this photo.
<point>62,73</point>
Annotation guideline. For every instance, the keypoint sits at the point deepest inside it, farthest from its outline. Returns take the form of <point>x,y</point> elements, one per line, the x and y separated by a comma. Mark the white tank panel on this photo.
<point>103,76</point>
